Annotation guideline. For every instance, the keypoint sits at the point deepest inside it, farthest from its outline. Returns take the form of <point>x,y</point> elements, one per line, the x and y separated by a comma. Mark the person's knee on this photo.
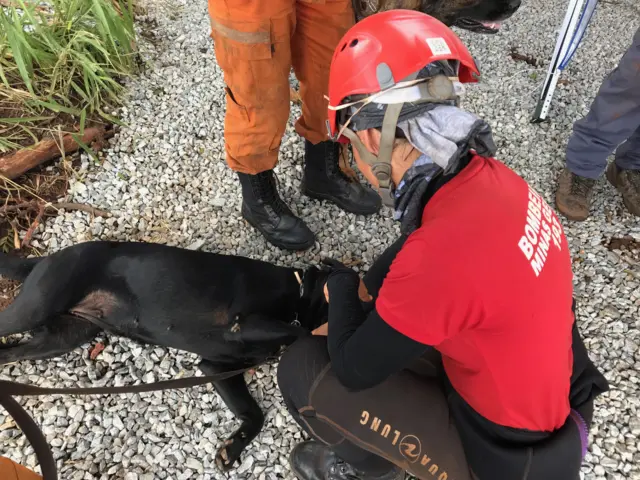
<point>300,365</point>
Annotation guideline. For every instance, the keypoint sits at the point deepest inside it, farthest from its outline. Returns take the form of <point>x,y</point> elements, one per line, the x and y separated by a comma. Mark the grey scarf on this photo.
<point>444,135</point>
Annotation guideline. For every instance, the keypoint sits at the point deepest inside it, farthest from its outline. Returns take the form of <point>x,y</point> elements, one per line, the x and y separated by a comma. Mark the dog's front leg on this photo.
<point>236,396</point>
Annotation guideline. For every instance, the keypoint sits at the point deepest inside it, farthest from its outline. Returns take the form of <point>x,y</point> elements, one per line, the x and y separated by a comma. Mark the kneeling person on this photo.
<point>468,363</point>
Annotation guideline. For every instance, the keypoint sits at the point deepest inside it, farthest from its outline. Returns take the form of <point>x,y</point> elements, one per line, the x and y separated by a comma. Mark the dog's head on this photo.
<point>480,16</point>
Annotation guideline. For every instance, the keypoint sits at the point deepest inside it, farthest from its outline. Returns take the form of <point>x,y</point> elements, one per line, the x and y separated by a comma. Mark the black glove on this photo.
<point>340,276</point>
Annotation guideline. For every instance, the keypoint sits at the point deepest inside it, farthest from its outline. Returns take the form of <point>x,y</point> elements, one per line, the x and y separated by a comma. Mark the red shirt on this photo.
<point>487,280</point>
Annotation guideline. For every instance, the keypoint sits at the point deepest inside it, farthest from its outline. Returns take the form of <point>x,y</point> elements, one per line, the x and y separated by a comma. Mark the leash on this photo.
<point>33,432</point>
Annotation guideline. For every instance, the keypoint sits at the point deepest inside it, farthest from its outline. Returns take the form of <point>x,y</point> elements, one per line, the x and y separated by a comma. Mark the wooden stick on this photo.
<point>84,208</point>
<point>18,207</point>
<point>34,205</point>
<point>14,165</point>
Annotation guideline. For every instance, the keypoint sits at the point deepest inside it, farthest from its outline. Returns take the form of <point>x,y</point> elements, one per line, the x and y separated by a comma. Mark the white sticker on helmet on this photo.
<point>438,46</point>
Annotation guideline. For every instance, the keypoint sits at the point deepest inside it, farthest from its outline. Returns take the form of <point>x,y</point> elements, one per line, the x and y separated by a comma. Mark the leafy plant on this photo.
<point>65,58</point>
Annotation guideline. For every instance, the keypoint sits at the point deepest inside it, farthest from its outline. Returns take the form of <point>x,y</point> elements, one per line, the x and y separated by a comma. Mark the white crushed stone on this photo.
<point>165,180</point>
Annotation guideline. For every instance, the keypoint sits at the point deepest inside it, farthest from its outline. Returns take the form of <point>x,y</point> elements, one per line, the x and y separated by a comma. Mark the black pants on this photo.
<point>417,421</point>
<point>404,421</point>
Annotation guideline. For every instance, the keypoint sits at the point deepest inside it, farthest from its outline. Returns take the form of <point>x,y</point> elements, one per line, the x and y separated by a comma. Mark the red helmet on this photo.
<point>386,48</point>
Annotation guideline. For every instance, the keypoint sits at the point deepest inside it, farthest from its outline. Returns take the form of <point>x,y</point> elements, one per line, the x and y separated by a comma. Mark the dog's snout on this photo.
<point>514,5</point>
<point>507,9</point>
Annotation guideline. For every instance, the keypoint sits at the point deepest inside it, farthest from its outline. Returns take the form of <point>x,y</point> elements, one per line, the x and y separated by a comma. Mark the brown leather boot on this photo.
<point>573,197</point>
<point>627,182</point>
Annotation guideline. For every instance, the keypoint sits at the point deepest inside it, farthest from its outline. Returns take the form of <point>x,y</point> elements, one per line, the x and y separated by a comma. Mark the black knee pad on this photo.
<point>301,364</point>
<point>534,456</point>
<point>560,456</point>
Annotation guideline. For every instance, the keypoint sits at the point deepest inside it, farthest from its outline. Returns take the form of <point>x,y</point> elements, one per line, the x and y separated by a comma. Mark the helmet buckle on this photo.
<point>441,88</point>
<point>386,194</point>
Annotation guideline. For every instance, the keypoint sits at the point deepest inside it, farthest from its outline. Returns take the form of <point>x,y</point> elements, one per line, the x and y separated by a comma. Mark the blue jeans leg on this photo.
<point>628,154</point>
<point>613,118</point>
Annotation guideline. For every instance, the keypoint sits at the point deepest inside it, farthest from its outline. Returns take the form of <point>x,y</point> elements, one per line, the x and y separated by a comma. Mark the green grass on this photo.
<point>65,60</point>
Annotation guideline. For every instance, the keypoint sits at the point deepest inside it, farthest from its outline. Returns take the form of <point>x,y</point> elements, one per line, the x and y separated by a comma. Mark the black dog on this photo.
<point>480,16</point>
<point>232,311</point>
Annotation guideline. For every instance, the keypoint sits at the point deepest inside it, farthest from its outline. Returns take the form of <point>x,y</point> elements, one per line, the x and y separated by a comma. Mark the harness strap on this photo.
<point>33,433</point>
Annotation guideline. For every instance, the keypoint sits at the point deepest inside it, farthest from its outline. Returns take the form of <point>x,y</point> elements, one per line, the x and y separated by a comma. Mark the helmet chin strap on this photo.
<point>436,89</point>
<point>381,163</point>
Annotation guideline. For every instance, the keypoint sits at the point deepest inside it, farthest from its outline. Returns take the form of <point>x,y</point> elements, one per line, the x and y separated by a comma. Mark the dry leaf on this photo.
<point>96,351</point>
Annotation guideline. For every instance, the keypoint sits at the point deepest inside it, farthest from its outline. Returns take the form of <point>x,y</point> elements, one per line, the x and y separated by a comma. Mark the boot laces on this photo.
<point>581,186</point>
<point>333,167</point>
<point>342,470</point>
<point>266,188</point>
<point>634,179</point>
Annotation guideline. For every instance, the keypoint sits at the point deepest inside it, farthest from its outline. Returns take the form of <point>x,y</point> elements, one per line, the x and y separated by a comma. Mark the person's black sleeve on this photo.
<point>375,276</point>
<point>364,349</point>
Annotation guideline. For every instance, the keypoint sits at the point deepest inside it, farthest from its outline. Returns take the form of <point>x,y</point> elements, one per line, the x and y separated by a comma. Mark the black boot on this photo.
<point>315,461</point>
<point>324,180</point>
<point>263,208</point>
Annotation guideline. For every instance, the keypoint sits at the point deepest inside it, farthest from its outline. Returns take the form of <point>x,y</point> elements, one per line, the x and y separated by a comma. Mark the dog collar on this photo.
<point>300,279</point>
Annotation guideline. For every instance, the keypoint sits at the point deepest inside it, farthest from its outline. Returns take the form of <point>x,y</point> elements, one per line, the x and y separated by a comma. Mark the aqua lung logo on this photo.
<point>408,445</point>
<point>410,448</point>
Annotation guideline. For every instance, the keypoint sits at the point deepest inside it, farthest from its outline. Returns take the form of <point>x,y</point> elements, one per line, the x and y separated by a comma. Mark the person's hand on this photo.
<point>321,330</point>
<point>363,293</point>
<point>338,268</point>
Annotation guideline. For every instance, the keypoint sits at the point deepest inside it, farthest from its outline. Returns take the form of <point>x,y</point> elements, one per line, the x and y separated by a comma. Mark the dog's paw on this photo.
<point>228,454</point>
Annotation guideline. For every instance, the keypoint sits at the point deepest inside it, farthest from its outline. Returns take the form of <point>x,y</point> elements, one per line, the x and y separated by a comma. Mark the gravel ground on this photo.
<point>165,180</point>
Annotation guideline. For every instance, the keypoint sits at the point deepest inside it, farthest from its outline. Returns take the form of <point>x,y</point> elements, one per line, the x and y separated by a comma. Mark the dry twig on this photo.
<point>34,205</point>
<point>26,241</point>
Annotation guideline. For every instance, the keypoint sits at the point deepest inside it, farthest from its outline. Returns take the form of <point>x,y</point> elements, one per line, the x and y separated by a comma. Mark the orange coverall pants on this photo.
<point>256,44</point>
<point>10,470</point>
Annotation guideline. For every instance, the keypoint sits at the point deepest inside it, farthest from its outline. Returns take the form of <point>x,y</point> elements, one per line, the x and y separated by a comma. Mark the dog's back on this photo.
<point>145,291</point>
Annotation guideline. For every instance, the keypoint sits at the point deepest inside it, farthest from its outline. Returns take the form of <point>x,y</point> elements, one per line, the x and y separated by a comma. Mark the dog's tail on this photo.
<point>16,268</point>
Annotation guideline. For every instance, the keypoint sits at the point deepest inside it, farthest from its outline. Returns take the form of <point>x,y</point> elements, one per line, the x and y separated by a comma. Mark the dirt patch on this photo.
<point>628,247</point>
<point>627,243</point>
<point>148,29</point>
<point>9,288</point>
<point>8,291</point>
<point>37,185</point>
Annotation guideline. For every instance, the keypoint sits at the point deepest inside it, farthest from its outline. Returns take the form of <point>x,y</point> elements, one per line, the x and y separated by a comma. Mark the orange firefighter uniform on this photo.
<point>9,470</point>
<point>256,44</point>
